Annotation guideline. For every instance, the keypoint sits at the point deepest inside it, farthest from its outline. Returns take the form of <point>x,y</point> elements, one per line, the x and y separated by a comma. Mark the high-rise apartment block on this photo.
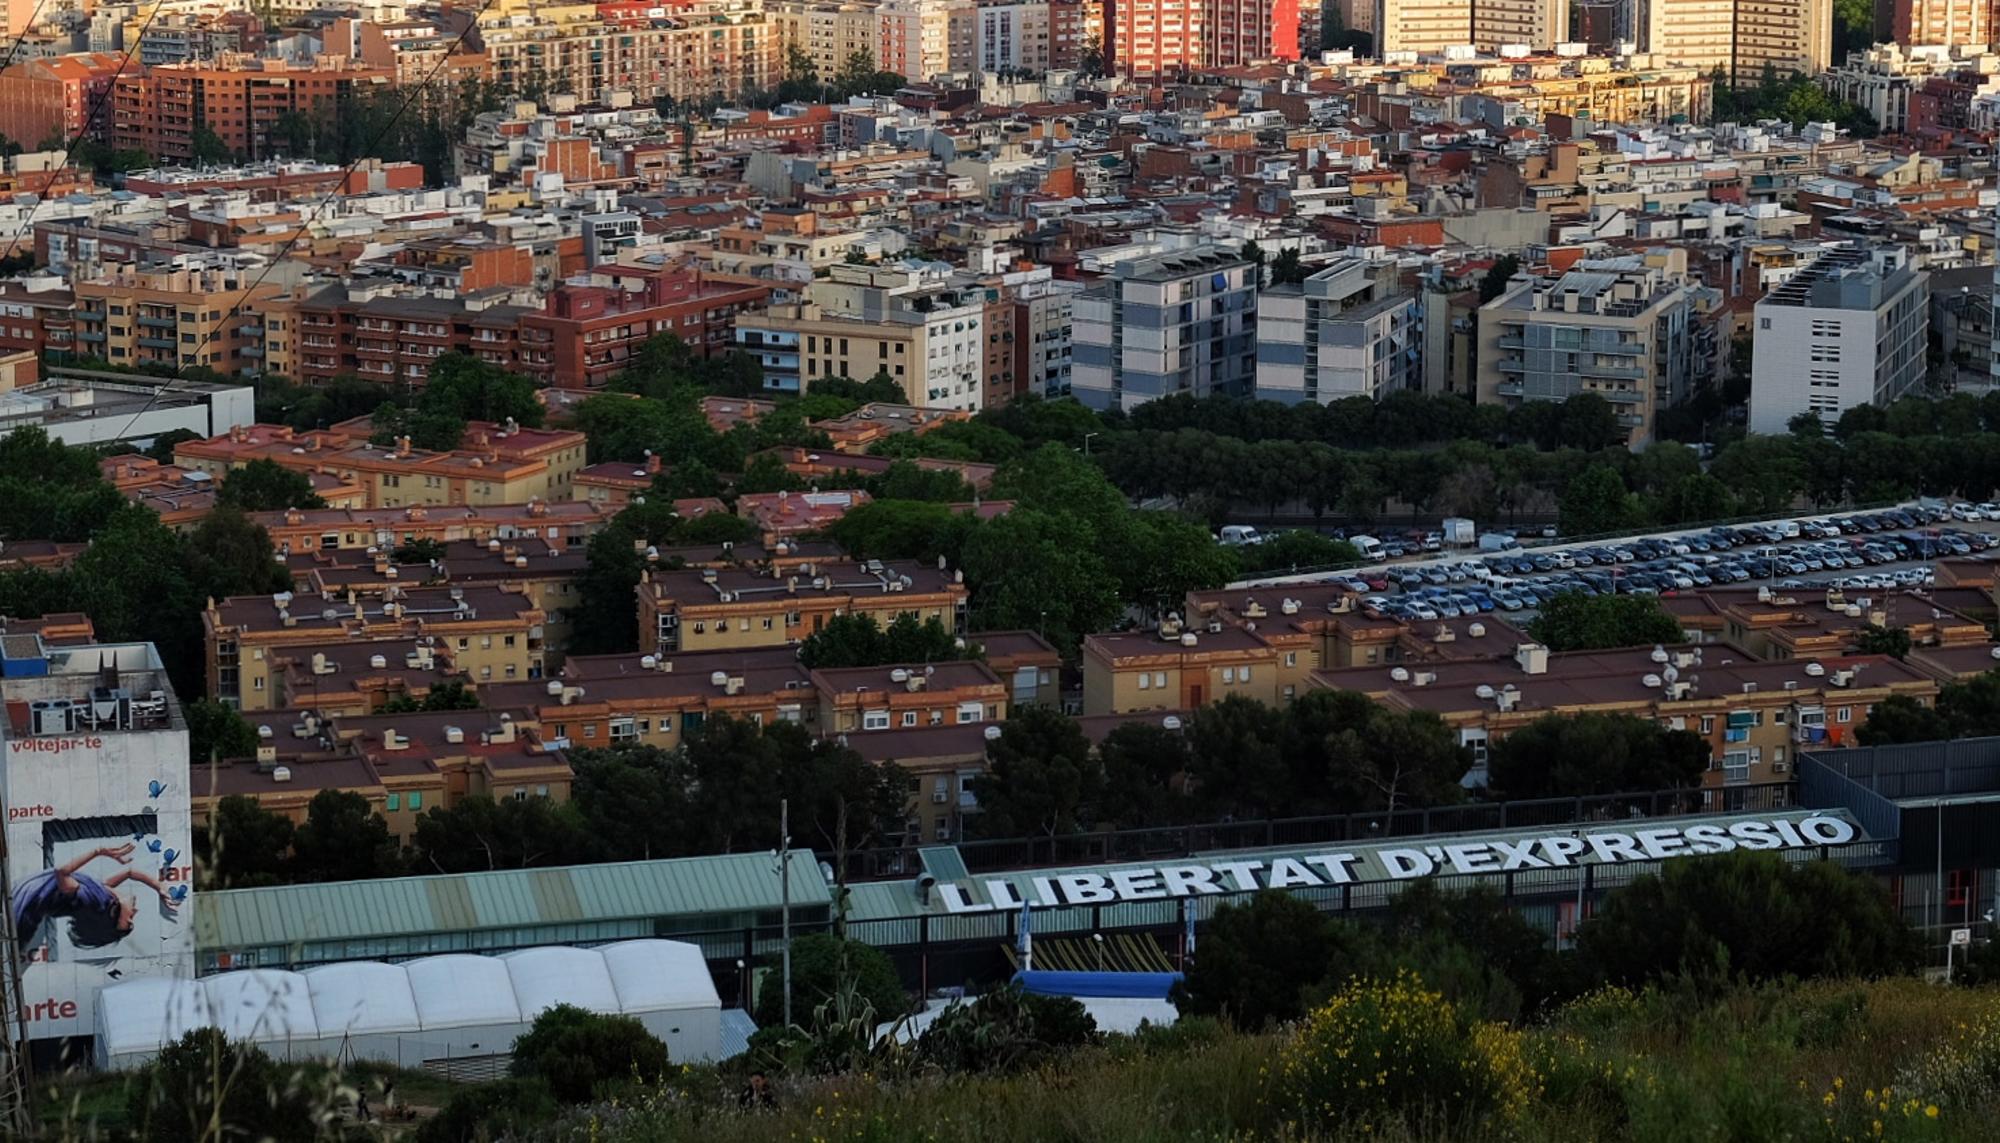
<point>1620,328</point>
<point>1173,323</point>
<point>1848,330</point>
<point>1165,37</point>
<point>1741,37</point>
<point>1341,333</point>
<point>1431,26</point>
<point>1947,22</point>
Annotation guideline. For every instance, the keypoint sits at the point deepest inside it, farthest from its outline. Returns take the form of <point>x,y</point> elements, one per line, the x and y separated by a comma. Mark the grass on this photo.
<point>1822,1061</point>
<point>92,1105</point>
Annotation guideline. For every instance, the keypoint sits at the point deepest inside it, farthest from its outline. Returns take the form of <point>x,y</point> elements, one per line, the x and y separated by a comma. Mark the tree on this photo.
<point>637,803</point>
<point>1041,777</point>
<point>1876,640</point>
<point>1286,268</point>
<point>1292,549</point>
<point>244,845</point>
<point>1972,706</point>
<point>1142,762</point>
<point>1573,621</point>
<point>1256,961</point>
<point>904,530</point>
<point>478,834</point>
<point>1900,718</point>
<point>1595,502</point>
<point>1750,917</point>
<point>1006,1031</point>
<point>227,554</point>
<point>217,732</point>
<point>264,486</point>
<point>503,1109</point>
<point>208,148</point>
<point>823,966</point>
<point>1237,762</point>
<point>578,1053</point>
<point>1561,756</point>
<point>343,839</point>
<point>205,1087</point>
<point>1498,276</point>
<point>1348,753</point>
<point>1040,571</point>
<point>1253,254</point>
<point>453,695</point>
<point>855,640</point>
<point>842,800</point>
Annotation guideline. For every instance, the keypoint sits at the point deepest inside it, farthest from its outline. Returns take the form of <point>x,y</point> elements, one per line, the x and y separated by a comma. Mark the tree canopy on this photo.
<point>1573,621</point>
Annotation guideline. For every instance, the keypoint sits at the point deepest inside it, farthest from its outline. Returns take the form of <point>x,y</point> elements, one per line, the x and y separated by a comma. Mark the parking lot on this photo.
<point>1881,550</point>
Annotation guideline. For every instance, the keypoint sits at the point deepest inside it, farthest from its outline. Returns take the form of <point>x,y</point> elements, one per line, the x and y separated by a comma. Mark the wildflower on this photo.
<point>1931,1112</point>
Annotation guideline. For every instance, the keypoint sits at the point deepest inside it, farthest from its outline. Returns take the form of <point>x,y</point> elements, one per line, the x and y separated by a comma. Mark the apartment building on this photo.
<point>63,97</point>
<point>829,32</point>
<point>659,700</point>
<point>1755,715</point>
<point>194,316</point>
<point>1810,625</point>
<point>1344,332</point>
<point>1172,323</point>
<point>1619,328</point>
<point>923,39</point>
<point>1848,330</point>
<point>712,609</point>
<point>491,635</point>
<point>1044,355</point>
<point>1176,668</point>
<point>245,100</point>
<point>587,334</point>
<point>1147,38</point>
<point>908,695</point>
<point>1739,37</point>
<point>912,325</point>
<point>497,465</point>
<point>302,530</point>
<point>1951,23</point>
<point>403,764</point>
<point>339,676</point>
<point>686,53</point>
<point>1012,37</point>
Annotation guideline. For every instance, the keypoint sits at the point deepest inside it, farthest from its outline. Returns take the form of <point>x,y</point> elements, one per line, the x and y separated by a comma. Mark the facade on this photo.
<point>687,53</point>
<point>78,407</point>
<point>1848,330</point>
<point>1619,328</point>
<point>1741,37</point>
<point>173,318</point>
<point>827,31</point>
<point>1013,37</point>
<point>585,335</point>
<point>1948,22</point>
<point>713,609</point>
<point>95,782</point>
<point>244,100</point>
<point>1341,333</point>
<point>1174,323</point>
<point>1043,316</point>
<point>925,333</point>
<point>1149,38</point>
<point>65,97</point>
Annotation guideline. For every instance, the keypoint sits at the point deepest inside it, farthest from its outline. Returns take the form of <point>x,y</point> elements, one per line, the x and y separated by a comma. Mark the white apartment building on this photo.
<point>1342,333</point>
<point>1848,330</point>
<point>1175,323</point>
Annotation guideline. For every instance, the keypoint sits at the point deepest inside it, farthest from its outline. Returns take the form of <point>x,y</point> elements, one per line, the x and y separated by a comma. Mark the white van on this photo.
<point>1369,547</point>
<point>1239,535</point>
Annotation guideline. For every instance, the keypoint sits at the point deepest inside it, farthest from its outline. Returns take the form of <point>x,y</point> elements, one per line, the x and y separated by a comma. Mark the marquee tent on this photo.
<point>442,1007</point>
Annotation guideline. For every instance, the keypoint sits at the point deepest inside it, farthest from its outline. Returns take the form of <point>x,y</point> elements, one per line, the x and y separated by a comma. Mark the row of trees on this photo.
<point>1328,752</point>
<point>1965,708</point>
<point>718,794</point>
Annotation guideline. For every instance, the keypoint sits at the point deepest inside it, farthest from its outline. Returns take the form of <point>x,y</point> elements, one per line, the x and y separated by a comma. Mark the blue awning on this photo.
<point>1125,985</point>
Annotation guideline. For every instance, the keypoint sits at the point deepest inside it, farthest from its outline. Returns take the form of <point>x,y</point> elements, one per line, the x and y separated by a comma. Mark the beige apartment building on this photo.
<point>491,635</point>
<point>908,696</point>
<point>1181,669</point>
<point>716,609</point>
<point>827,31</point>
<point>173,318</point>
<point>1740,37</point>
<point>700,49</point>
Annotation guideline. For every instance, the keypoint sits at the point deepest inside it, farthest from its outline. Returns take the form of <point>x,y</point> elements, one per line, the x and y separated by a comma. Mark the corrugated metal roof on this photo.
<point>729,883</point>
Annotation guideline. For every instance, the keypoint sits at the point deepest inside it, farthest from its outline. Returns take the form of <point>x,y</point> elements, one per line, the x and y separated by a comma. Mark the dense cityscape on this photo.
<point>863,569</point>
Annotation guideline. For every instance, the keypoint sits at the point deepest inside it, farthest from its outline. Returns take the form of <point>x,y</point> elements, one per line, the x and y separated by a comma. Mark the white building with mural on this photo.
<point>100,867</point>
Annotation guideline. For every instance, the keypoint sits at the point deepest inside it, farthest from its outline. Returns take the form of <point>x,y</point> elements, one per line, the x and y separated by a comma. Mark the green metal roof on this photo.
<point>729,883</point>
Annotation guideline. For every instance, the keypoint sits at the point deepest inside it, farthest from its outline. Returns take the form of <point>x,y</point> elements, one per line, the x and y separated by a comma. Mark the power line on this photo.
<point>361,155</point>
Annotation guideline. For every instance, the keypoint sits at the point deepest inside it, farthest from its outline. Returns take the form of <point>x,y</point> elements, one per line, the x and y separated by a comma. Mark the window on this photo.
<point>1228,675</point>
<point>1708,724</point>
<point>909,718</point>
<point>1145,681</point>
<point>257,684</point>
<point>520,793</point>
<point>510,641</point>
<point>1243,675</point>
<point>767,623</point>
<point>542,791</point>
<point>416,800</point>
<point>393,802</point>
<point>970,712</point>
<point>1291,658</point>
<point>1159,680</point>
<point>875,720</point>
<point>1843,713</point>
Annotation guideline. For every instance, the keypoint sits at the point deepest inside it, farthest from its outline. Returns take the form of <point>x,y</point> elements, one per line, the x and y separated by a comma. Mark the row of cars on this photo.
<point>1524,581</point>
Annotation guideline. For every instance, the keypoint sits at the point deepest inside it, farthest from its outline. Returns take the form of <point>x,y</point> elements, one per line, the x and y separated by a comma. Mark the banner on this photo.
<point>1466,855</point>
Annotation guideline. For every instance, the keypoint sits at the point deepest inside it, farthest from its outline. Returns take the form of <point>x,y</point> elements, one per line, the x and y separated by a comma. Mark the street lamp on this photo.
<point>1086,443</point>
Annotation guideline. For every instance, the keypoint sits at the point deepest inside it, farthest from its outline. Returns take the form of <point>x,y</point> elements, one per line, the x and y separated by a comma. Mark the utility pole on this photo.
<point>785,897</point>
<point>16,1088</point>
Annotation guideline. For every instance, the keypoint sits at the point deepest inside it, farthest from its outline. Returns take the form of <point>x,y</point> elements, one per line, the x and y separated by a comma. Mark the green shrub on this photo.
<point>1256,961</point>
<point>205,1087</point>
<point>1382,1054</point>
<point>821,966</point>
<point>576,1052</point>
<point>490,1111</point>
<point>1008,1030</point>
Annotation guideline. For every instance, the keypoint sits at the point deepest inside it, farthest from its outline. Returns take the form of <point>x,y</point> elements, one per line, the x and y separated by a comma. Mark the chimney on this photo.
<point>1532,658</point>
<point>652,462</point>
<point>402,446</point>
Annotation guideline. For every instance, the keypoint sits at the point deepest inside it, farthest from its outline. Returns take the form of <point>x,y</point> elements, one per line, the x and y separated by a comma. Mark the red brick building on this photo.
<point>44,98</point>
<point>585,334</point>
<point>243,99</point>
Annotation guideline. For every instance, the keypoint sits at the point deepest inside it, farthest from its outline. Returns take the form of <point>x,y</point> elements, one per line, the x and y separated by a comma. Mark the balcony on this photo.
<point>1618,372</point>
<point>1620,396</point>
<point>158,322</point>
<point>156,342</point>
<point>89,335</point>
<point>1510,365</point>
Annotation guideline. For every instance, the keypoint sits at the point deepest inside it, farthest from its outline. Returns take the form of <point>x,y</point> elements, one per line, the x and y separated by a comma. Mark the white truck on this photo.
<point>1369,547</point>
<point>1458,531</point>
<point>1239,535</point>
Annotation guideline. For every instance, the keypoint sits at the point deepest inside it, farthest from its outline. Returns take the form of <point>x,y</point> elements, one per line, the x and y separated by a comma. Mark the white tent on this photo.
<point>667,986</point>
<point>559,974</point>
<point>269,1007</point>
<point>365,1009</point>
<point>441,1007</point>
<point>138,1018</point>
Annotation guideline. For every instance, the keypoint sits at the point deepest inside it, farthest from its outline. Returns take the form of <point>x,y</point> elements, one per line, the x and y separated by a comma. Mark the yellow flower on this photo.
<point>1931,1112</point>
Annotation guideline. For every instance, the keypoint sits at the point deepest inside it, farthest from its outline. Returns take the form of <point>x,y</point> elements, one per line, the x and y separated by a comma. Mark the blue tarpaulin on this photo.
<point>1124,985</point>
